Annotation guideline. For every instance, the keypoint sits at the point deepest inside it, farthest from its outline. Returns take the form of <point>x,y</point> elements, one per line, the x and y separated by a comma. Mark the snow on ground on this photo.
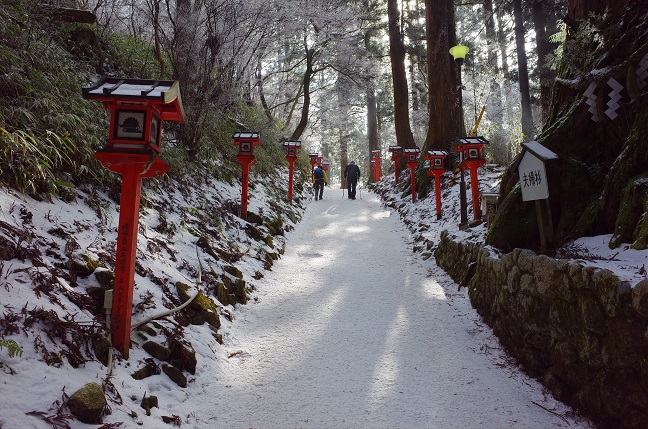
<point>349,329</point>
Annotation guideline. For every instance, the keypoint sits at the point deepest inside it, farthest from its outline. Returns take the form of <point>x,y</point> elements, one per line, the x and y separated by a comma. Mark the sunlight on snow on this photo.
<point>387,368</point>
<point>356,229</point>
<point>432,289</point>
<point>380,215</point>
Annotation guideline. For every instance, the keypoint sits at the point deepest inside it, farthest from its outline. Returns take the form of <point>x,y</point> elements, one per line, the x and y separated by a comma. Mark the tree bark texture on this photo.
<point>444,102</point>
<point>523,72</point>
<point>494,100</point>
<point>598,185</point>
<point>303,121</point>
<point>404,136</point>
<point>372,125</point>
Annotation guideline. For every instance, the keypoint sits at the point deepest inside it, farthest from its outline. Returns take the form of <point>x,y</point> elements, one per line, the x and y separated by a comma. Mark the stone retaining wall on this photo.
<point>580,330</point>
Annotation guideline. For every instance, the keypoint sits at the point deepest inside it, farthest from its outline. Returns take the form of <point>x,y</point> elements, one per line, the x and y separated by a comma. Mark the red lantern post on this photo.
<point>314,159</point>
<point>437,160</point>
<point>246,142</point>
<point>291,156</point>
<point>138,109</point>
<point>397,154</point>
<point>375,154</point>
<point>472,157</point>
<point>411,160</point>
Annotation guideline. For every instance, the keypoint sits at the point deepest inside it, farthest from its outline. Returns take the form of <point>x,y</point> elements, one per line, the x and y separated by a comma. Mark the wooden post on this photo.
<point>132,167</point>
<point>545,224</point>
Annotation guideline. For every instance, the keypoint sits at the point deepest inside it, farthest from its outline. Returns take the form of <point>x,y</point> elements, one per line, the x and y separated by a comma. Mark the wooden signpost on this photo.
<point>534,186</point>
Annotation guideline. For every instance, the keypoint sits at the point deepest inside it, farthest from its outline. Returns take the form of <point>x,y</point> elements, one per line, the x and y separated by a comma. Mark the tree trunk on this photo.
<point>494,100</point>
<point>308,74</point>
<point>503,50</point>
<point>372,125</point>
<point>444,109</point>
<point>543,48</point>
<point>523,72</point>
<point>404,136</point>
<point>443,97</point>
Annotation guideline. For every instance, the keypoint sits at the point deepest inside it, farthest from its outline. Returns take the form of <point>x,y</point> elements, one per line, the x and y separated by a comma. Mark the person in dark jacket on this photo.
<point>319,179</point>
<point>352,175</point>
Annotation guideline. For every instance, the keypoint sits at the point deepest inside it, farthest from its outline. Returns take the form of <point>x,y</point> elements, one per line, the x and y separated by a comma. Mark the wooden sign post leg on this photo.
<point>545,224</point>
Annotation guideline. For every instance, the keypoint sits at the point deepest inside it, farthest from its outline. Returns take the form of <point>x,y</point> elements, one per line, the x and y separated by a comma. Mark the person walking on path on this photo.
<point>319,179</point>
<point>352,175</point>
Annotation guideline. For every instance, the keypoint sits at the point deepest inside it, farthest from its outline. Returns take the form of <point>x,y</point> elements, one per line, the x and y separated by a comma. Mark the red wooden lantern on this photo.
<point>138,109</point>
<point>315,158</point>
<point>472,157</point>
<point>292,147</point>
<point>396,155</point>
<point>411,160</point>
<point>437,160</point>
<point>376,154</point>
<point>246,141</point>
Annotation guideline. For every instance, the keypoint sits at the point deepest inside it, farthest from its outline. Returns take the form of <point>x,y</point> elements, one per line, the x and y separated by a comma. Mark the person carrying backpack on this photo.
<point>352,174</point>
<point>319,178</point>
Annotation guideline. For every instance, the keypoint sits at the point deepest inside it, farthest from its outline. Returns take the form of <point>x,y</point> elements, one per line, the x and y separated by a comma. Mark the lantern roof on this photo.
<point>412,150</point>
<point>394,147</point>
<point>437,153</point>
<point>246,135</point>
<point>292,144</point>
<point>472,140</point>
<point>163,93</point>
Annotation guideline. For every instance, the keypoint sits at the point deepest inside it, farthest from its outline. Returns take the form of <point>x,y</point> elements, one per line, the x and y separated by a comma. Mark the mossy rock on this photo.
<point>175,374</point>
<point>156,350</point>
<point>142,373</point>
<point>101,348</point>
<point>631,223</point>
<point>88,403</point>
<point>105,278</point>
<point>183,356</point>
<point>254,218</point>
<point>149,402</point>
<point>202,309</point>
<point>85,266</point>
<point>147,330</point>
<point>514,225</point>
<point>203,243</point>
<point>222,293</point>
<point>275,225</point>
<point>254,233</point>
<point>7,249</point>
<point>232,270</point>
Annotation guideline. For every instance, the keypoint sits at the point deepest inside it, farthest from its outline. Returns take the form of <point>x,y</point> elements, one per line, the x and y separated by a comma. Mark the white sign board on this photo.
<point>533,178</point>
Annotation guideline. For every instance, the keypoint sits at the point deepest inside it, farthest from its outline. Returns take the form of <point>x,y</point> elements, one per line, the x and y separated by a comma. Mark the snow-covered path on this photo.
<point>350,330</point>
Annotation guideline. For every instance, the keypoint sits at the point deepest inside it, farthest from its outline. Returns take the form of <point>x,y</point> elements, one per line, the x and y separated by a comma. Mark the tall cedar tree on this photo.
<point>404,136</point>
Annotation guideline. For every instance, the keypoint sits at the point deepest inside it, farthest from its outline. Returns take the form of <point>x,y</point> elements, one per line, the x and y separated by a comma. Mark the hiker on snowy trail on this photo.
<point>352,175</point>
<point>319,178</point>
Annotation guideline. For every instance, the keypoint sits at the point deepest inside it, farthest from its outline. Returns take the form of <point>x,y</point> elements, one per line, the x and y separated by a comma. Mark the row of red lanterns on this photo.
<point>471,157</point>
<point>138,109</point>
